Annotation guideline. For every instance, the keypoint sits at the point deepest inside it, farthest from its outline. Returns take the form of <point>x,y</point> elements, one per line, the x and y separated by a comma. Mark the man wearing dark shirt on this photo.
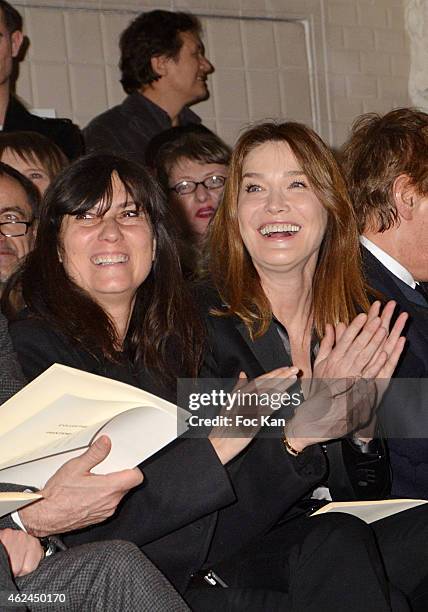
<point>164,71</point>
<point>14,117</point>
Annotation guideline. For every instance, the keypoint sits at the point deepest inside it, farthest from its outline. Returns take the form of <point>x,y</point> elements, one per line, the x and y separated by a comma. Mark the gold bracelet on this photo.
<point>290,450</point>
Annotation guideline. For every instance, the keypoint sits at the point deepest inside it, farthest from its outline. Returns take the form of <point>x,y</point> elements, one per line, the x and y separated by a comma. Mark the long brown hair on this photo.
<point>339,291</point>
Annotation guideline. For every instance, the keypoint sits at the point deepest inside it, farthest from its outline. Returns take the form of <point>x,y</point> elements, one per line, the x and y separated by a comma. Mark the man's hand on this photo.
<point>74,498</point>
<point>24,551</point>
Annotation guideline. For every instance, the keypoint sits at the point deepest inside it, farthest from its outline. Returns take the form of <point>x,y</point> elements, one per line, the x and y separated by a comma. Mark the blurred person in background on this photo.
<point>191,164</point>
<point>13,114</point>
<point>33,155</point>
<point>164,71</point>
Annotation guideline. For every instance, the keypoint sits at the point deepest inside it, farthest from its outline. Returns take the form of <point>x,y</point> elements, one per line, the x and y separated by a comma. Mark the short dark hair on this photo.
<point>193,142</point>
<point>149,35</point>
<point>31,190</point>
<point>12,18</point>
<point>379,149</point>
<point>33,147</point>
<point>157,321</point>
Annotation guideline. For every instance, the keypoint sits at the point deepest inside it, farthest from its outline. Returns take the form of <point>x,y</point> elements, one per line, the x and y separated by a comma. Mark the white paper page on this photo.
<point>371,511</point>
<point>67,423</point>
<point>59,380</point>
<point>9,502</point>
<point>136,435</point>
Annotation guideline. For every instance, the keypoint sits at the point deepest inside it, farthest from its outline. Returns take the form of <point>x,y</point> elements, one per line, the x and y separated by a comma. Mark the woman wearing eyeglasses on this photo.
<point>191,164</point>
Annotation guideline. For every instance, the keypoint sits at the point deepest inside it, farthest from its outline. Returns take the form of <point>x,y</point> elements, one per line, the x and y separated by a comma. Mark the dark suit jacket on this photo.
<point>404,407</point>
<point>126,129</point>
<point>190,510</point>
<point>63,132</point>
<point>11,377</point>
<point>351,474</point>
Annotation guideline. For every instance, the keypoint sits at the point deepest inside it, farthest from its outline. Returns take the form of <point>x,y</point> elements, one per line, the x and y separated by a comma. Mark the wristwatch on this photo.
<point>48,545</point>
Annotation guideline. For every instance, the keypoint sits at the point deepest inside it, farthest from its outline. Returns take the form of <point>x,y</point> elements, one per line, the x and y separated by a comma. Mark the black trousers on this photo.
<point>333,562</point>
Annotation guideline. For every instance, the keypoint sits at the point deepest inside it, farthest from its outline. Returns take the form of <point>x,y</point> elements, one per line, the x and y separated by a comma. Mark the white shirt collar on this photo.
<point>389,262</point>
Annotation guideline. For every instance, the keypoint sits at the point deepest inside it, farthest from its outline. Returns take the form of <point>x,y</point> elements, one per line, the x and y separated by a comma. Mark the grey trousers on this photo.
<point>101,577</point>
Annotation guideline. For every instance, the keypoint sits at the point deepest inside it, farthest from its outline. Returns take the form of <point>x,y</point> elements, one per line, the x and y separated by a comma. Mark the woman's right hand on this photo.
<point>229,440</point>
<point>351,373</point>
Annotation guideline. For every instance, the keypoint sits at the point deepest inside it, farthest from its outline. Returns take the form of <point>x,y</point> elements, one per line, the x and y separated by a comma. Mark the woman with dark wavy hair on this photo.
<point>103,285</point>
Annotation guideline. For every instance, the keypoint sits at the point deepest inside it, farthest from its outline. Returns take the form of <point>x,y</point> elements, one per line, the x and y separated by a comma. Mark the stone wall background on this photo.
<point>318,61</point>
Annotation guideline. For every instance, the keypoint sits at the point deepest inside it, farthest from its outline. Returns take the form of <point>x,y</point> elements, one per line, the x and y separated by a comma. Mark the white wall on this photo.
<point>318,61</point>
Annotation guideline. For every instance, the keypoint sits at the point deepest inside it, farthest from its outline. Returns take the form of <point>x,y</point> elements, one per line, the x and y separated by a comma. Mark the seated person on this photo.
<point>191,164</point>
<point>197,509</point>
<point>110,576</point>
<point>386,166</point>
<point>19,205</point>
<point>33,155</point>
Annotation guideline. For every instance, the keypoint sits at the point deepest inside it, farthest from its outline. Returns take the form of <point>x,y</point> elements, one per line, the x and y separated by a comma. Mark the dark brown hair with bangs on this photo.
<point>34,148</point>
<point>164,319</point>
<point>339,291</point>
<point>379,150</point>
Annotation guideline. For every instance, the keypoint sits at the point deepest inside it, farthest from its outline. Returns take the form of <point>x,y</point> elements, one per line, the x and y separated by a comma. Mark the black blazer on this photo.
<point>190,510</point>
<point>381,279</point>
<point>351,475</point>
<point>63,132</point>
<point>404,411</point>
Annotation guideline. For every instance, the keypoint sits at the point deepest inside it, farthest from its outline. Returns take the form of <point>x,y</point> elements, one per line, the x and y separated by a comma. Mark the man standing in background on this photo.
<point>14,117</point>
<point>164,71</point>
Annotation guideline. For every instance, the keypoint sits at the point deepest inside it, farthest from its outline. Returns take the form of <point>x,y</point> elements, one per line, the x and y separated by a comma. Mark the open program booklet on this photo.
<point>59,414</point>
<point>371,511</point>
<point>11,501</point>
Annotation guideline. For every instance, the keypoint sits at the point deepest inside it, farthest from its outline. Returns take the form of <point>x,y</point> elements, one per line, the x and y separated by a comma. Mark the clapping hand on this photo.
<point>229,441</point>
<point>351,372</point>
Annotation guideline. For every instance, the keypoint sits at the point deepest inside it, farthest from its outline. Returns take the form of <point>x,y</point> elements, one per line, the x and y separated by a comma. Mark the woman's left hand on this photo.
<point>365,348</point>
<point>351,373</point>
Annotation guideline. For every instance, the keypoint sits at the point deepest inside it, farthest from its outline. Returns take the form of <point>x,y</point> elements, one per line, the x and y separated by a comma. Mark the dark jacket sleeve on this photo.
<point>183,483</point>
<point>69,138</point>
<point>11,376</point>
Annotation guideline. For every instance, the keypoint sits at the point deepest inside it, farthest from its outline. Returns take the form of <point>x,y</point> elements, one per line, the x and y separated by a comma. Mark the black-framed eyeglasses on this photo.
<point>211,182</point>
<point>12,229</point>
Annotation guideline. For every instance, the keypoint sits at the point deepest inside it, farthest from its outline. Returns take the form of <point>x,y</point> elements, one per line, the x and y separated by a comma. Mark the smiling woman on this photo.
<point>95,283</point>
<point>285,264</point>
<point>283,175</point>
<point>108,251</point>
